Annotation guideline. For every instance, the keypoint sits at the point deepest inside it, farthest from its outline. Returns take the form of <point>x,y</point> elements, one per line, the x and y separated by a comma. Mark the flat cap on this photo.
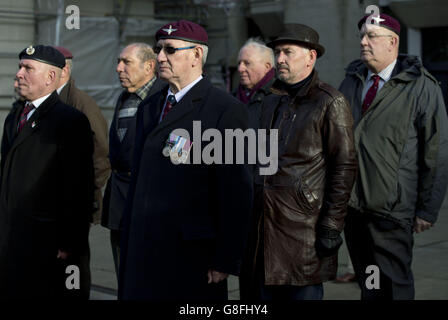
<point>383,21</point>
<point>183,30</point>
<point>67,53</point>
<point>45,54</point>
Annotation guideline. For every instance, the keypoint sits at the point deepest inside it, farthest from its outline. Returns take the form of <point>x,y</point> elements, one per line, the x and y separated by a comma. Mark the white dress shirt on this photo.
<point>36,103</point>
<point>180,94</point>
<point>384,75</point>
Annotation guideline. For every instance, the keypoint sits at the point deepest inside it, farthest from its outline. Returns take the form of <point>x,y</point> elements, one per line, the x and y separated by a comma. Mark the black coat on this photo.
<point>183,219</point>
<point>46,197</point>
<point>120,156</point>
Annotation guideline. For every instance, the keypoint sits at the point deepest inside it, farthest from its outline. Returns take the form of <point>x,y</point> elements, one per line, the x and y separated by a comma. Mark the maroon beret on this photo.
<point>67,54</point>
<point>385,21</point>
<point>183,30</point>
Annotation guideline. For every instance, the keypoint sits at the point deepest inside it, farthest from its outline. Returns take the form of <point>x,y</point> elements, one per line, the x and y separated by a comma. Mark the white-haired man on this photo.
<point>256,69</point>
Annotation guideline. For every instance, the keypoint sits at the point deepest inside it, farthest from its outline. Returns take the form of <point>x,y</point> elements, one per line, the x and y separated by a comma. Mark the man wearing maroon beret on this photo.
<point>186,222</point>
<point>72,96</point>
<point>401,134</point>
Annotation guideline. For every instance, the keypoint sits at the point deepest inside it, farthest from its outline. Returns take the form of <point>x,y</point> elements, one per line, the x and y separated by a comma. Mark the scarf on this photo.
<point>244,96</point>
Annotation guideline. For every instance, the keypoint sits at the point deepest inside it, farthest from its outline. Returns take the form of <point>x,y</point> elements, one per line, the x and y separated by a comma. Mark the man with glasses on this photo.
<point>136,69</point>
<point>186,223</point>
<point>401,132</point>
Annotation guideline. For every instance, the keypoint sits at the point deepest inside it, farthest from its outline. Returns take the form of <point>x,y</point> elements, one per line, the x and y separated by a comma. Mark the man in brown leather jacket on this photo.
<point>300,210</point>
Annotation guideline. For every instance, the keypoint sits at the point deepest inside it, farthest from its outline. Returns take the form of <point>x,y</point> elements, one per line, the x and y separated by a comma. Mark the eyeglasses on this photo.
<point>170,50</point>
<point>371,35</point>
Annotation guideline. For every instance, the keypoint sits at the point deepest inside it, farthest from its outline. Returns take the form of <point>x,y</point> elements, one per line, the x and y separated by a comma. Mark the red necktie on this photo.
<point>169,104</point>
<point>28,107</point>
<point>370,95</point>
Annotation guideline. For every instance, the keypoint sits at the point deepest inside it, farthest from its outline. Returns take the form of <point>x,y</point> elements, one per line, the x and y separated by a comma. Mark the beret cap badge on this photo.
<point>169,30</point>
<point>44,54</point>
<point>30,50</point>
<point>183,30</point>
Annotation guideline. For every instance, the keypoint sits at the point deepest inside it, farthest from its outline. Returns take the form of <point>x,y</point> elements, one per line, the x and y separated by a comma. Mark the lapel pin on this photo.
<point>33,124</point>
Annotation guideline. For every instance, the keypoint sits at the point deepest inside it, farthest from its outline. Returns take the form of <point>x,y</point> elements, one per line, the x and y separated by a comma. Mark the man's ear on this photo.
<point>65,73</point>
<point>268,66</point>
<point>51,77</point>
<point>150,65</point>
<point>313,56</point>
<point>198,52</point>
<point>393,41</point>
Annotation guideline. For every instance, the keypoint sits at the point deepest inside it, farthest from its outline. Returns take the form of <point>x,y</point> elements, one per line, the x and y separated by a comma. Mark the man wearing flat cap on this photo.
<point>72,96</point>
<point>46,184</point>
<point>301,208</point>
<point>185,226</point>
<point>401,134</point>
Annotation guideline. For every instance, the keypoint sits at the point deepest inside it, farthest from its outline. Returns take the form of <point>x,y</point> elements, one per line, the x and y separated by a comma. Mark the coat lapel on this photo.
<point>33,124</point>
<point>152,110</point>
<point>12,121</point>
<point>191,101</point>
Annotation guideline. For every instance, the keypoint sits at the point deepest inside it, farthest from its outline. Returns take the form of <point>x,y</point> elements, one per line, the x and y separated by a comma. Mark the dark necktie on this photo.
<point>28,107</point>
<point>371,93</point>
<point>170,102</point>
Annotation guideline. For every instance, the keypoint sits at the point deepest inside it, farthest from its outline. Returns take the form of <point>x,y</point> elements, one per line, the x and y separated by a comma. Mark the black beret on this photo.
<point>45,54</point>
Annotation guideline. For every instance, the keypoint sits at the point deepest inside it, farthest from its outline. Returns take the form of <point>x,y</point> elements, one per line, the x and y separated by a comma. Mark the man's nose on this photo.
<point>280,58</point>
<point>241,67</point>
<point>364,41</point>
<point>120,66</point>
<point>19,73</point>
<point>161,56</point>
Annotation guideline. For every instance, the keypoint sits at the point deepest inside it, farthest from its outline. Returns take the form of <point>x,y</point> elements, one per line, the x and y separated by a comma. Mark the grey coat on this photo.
<point>402,143</point>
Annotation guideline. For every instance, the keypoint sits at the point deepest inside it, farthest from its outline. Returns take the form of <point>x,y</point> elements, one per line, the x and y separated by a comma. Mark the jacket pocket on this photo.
<point>306,197</point>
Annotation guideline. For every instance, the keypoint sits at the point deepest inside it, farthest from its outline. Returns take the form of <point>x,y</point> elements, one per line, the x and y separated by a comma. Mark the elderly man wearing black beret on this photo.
<point>401,134</point>
<point>301,208</point>
<point>185,227</point>
<point>46,190</point>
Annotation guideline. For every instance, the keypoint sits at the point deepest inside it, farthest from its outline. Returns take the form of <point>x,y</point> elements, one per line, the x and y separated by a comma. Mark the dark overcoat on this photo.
<point>120,156</point>
<point>184,219</point>
<point>46,197</point>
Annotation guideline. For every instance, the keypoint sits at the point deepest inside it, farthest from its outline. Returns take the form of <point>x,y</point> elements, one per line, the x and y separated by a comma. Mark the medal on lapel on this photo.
<point>177,148</point>
<point>169,143</point>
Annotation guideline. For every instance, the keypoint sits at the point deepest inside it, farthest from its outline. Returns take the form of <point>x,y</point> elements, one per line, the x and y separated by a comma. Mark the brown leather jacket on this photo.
<point>316,172</point>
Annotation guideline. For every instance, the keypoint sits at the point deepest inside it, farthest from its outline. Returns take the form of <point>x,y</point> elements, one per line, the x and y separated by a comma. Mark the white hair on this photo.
<point>307,51</point>
<point>262,48</point>
<point>204,50</point>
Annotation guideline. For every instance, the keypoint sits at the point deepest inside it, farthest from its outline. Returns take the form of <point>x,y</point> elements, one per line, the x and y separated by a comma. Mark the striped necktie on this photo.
<point>170,102</point>
<point>23,116</point>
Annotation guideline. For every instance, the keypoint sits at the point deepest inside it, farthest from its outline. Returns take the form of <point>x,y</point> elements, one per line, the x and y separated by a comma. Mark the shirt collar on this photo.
<point>143,91</point>
<point>385,74</point>
<point>184,91</point>
<point>61,87</point>
<point>36,103</point>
